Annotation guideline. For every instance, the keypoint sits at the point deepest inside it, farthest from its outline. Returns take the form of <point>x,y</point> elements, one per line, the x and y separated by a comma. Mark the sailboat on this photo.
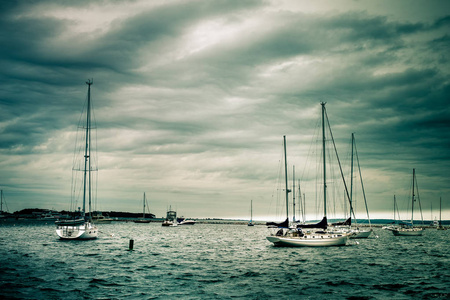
<point>251,214</point>
<point>440,227</point>
<point>393,225</point>
<point>82,227</point>
<point>143,220</point>
<point>3,214</point>
<point>409,229</point>
<point>307,235</point>
<point>357,232</point>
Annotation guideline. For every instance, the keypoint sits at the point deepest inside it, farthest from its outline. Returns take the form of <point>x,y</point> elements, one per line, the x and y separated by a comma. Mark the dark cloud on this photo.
<point>193,97</point>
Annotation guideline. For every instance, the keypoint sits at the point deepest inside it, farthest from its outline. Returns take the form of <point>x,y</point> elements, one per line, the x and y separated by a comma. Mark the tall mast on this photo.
<point>304,208</point>
<point>251,210</point>
<point>412,210</point>
<point>285,178</point>
<point>351,172</point>
<point>293,193</point>
<point>87,151</point>
<point>324,167</point>
<point>143,212</point>
<point>394,208</point>
<point>440,211</point>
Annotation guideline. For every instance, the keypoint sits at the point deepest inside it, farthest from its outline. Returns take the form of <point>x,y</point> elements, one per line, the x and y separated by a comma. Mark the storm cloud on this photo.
<point>192,99</point>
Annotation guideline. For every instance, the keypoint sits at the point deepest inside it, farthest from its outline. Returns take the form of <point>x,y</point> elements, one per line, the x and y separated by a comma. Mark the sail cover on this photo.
<point>322,224</point>
<point>347,222</point>
<point>284,224</point>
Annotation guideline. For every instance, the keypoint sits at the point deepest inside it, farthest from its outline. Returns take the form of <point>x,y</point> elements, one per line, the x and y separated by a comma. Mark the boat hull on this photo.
<point>141,221</point>
<point>309,241</point>
<point>86,231</point>
<point>169,224</point>
<point>361,234</point>
<point>187,222</point>
<point>408,232</point>
<point>103,221</point>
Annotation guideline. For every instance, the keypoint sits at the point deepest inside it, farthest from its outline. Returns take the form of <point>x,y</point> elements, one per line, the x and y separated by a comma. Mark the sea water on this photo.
<point>216,261</point>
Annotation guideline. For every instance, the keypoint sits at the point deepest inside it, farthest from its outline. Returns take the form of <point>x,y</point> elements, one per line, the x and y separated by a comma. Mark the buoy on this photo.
<point>131,245</point>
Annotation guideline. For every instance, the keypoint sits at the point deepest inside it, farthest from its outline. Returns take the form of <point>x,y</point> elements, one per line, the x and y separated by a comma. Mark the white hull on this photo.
<point>86,231</point>
<point>187,222</point>
<point>355,233</point>
<point>361,234</point>
<point>102,221</point>
<point>169,224</point>
<point>316,240</point>
<point>408,231</point>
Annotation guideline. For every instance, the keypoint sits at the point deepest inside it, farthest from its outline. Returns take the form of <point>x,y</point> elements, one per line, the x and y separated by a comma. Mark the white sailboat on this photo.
<point>409,230</point>
<point>3,214</point>
<point>350,227</point>
<point>82,227</point>
<point>393,225</point>
<point>251,214</point>
<point>143,220</point>
<point>307,235</point>
<point>440,227</point>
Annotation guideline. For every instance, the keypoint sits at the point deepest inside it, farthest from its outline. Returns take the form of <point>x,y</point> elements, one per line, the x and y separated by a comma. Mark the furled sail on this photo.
<point>284,224</point>
<point>322,224</point>
<point>347,222</point>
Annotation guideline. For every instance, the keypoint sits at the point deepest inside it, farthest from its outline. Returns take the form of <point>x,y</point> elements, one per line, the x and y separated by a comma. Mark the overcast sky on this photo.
<point>192,99</point>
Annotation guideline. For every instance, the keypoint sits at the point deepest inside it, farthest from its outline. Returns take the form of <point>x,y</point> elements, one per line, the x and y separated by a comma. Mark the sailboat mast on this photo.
<point>412,209</point>
<point>324,166</point>
<point>285,178</point>
<point>351,172</point>
<point>1,201</point>
<point>293,193</point>
<point>143,211</point>
<point>251,210</point>
<point>394,207</point>
<point>87,151</point>
<point>440,211</point>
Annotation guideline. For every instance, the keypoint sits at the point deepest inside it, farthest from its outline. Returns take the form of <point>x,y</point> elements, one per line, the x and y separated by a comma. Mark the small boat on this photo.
<point>2,213</point>
<point>98,217</point>
<point>409,229</point>
<point>169,223</point>
<point>305,235</point>
<point>82,226</point>
<point>171,218</point>
<point>250,223</point>
<point>394,224</point>
<point>440,227</point>
<point>184,221</point>
<point>143,220</point>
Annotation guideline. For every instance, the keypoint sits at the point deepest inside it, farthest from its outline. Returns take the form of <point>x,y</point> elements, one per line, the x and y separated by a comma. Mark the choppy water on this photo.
<point>207,261</point>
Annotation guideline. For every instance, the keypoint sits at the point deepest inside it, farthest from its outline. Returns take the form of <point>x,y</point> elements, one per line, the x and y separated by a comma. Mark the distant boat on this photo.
<point>251,214</point>
<point>3,214</point>
<point>306,235</point>
<point>347,225</point>
<point>171,218</point>
<point>82,227</point>
<point>143,220</point>
<point>184,221</point>
<point>409,229</point>
<point>98,217</point>
<point>394,224</point>
<point>440,227</point>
